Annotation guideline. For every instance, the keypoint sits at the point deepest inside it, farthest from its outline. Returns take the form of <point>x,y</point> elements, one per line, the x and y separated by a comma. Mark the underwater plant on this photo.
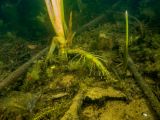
<point>63,41</point>
<point>64,36</point>
<point>126,42</point>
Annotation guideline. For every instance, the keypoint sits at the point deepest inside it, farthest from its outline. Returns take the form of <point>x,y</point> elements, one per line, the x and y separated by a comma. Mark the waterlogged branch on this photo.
<point>13,77</point>
<point>145,87</point>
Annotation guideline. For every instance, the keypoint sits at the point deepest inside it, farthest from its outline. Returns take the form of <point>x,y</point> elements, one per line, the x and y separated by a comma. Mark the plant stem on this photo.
<point>126,44</point>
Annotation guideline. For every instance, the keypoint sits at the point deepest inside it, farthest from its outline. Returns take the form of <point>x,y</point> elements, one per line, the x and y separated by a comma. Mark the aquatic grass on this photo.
<point>126,42</point>
<point>64,34</point>
<point>56,14</point>
<point>70,33</point>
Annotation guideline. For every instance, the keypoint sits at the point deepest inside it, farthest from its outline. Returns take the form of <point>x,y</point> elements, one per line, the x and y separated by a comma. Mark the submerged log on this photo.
<point>144,87</point>
<point>72,113</point>
<point>20,70</point>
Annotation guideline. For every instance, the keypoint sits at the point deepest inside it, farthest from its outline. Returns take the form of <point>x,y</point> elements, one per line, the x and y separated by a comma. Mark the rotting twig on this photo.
<point>19,71</point>
<point>144,87</point>
<point>72,113</point>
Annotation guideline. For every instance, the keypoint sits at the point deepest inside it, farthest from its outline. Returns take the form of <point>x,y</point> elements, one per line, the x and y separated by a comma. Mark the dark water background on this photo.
<point>29,18</point>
